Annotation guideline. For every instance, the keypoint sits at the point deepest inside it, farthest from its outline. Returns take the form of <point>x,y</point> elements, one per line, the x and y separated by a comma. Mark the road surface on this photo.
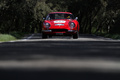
<point>60,58</point>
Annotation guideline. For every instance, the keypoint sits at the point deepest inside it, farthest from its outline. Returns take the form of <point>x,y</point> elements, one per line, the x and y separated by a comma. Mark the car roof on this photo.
<point>60,12</point>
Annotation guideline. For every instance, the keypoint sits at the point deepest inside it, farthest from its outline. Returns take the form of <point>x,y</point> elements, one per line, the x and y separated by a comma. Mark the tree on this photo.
<point>27,15</point>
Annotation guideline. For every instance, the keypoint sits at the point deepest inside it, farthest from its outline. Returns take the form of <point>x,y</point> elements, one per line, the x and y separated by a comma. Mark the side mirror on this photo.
<point>43,18</point>
<point>76,18</point>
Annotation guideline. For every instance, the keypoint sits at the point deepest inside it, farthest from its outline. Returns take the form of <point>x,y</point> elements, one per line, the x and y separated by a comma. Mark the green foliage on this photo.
<point>17,35</point>
<point>27,15</point>
<point>6,37</point>
<point>113,36</point>
<point>12,36</point>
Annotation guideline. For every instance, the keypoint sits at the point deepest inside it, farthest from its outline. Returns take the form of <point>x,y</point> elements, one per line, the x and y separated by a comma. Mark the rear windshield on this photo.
<point>59,16</point>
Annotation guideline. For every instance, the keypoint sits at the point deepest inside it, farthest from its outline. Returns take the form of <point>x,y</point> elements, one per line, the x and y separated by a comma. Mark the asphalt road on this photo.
<point>60,58</point>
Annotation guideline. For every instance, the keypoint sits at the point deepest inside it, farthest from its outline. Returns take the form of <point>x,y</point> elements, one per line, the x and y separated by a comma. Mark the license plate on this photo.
<point>59,33</point>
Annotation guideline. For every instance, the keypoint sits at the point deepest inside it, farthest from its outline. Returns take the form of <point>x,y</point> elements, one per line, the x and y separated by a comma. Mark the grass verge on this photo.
<point>11,36</point>
<point>6,37</point>
<point>112,36</point>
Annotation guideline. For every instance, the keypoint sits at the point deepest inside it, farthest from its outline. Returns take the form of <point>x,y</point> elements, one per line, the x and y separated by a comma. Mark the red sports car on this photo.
<point>60,23</point>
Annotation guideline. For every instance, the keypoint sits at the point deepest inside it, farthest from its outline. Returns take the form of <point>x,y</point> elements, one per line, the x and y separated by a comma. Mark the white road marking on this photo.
<point>28,38</point>
<point>11,41</point>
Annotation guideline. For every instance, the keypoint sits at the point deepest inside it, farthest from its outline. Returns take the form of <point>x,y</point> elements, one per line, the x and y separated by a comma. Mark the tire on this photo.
<point>76,35</point>
<point>50,36</point>
<point>44,36</point>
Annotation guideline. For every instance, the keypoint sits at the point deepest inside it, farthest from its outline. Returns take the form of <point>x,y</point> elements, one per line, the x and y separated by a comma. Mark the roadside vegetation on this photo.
<point>6,37</point>
<point>26,16</point>
<point>112,36</point>
<point>11,36</point>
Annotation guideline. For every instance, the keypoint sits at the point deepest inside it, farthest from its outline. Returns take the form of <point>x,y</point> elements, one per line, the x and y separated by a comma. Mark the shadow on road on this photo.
<point>44,49</point>
<point>55,75</point>
<point>38,50</point>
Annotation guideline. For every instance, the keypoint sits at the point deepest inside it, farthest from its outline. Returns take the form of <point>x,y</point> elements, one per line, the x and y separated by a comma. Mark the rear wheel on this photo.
<point>44,36</point>
<point>50,36</point>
